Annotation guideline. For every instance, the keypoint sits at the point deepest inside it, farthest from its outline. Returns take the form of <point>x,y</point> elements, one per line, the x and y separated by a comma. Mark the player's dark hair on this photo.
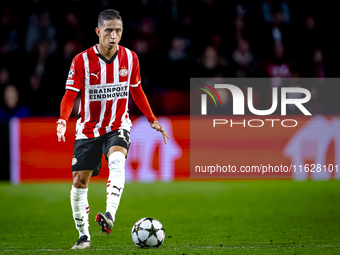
<point>108,14</point>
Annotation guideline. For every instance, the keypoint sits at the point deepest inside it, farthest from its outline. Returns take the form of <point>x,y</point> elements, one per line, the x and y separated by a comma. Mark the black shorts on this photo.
<point>87,153</point>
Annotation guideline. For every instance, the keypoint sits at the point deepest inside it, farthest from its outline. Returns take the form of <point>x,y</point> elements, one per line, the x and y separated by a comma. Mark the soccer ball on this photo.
<point>148,233</point>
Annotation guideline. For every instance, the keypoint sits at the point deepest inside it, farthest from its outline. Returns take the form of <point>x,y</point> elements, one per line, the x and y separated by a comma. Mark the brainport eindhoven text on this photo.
<point>107,92</point>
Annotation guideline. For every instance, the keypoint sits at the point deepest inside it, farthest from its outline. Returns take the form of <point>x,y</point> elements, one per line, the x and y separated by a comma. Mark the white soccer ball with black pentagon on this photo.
<point>148,233</point>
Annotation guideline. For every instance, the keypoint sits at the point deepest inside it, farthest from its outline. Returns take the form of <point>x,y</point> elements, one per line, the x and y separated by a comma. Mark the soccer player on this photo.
<point>104,74</point>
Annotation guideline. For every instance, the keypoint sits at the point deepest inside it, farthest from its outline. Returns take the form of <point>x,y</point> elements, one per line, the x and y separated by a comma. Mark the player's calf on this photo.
<point>115,183</point>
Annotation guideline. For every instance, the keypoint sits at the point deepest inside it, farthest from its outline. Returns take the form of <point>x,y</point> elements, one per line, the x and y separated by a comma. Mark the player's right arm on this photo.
<point>66,107</point>
<point>73,85</point>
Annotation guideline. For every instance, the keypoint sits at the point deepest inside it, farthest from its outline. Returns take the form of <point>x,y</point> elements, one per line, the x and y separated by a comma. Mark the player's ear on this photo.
<point>97,31</point>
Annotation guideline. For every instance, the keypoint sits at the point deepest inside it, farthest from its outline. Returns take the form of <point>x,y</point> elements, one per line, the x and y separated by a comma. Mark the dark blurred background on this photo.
<point>174,40</point>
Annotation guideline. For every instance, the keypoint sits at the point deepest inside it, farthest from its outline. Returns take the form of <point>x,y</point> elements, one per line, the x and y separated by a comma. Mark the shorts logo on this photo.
<point>123,72</point>
<point>74,161</point>
<point>70,73</point>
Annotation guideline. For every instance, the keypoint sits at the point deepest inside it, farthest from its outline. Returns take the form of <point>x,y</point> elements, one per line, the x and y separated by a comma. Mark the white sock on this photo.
<point>80,209</point>
<point>115,183</point>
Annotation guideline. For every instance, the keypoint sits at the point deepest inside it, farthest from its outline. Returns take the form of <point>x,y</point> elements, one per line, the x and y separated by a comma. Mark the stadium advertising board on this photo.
<point>37,156</point>
<point>310,150</point>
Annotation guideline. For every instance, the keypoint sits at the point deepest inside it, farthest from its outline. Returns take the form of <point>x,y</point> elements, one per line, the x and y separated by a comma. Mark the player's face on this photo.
<point>110,33</point>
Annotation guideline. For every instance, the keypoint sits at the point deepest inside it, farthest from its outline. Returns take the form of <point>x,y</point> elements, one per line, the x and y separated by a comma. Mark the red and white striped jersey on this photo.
<point>104,86</point>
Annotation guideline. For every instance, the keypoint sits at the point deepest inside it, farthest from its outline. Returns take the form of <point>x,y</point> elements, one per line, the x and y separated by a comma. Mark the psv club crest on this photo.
<point>74,161</point>
<point>123,72</point>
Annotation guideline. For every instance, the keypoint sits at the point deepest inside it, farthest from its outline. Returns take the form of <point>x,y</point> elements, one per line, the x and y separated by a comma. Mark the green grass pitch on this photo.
<point>222,217</point>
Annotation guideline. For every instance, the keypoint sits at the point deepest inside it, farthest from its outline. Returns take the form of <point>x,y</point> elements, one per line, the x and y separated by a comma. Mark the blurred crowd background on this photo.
<point>174,39</point>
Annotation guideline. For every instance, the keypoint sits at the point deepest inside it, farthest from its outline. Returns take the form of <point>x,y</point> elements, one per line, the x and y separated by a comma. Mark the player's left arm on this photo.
<point>141,100</point>
<point>155,124</point>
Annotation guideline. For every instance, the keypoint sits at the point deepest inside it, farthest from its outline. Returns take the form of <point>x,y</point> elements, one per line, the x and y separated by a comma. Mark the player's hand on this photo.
<point>61,129</point>
<point>155,124</point>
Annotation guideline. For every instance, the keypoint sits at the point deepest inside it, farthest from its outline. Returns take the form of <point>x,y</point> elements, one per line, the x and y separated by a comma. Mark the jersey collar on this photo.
<point>103,58</point>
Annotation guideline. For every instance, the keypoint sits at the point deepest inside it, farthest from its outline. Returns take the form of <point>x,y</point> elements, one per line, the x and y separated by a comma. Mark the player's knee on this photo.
<point>79,184</point>
<point>117,161</point>
<point>81,179</point>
